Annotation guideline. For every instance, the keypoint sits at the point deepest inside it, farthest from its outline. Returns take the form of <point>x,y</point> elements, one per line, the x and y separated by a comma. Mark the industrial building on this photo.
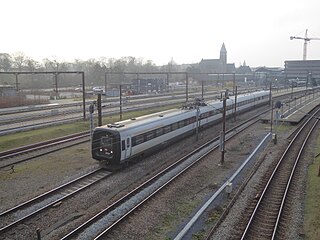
<point>303,70</point>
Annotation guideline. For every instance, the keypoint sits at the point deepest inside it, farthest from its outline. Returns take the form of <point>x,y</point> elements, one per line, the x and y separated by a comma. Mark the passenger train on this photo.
<point>115,144</point>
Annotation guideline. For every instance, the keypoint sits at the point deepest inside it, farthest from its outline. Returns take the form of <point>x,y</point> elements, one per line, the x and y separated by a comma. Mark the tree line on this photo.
<point>94,68</point>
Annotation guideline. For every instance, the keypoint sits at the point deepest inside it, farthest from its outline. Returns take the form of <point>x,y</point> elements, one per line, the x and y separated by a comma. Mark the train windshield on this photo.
<point>106,145</point>
<point>106,141</point>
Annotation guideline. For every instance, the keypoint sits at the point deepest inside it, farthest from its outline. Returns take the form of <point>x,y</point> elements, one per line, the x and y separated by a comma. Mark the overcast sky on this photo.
<point>160,30</point>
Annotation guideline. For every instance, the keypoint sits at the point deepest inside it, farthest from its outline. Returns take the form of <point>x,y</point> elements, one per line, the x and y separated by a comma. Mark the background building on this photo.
<point>305,70</point>
<point>217,65</point>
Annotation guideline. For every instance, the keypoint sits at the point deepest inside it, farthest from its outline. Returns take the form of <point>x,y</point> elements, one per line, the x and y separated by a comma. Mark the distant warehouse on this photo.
<point>305,70</point>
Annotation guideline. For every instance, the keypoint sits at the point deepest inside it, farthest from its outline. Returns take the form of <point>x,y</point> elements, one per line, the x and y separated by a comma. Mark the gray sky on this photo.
<point>160,30</point>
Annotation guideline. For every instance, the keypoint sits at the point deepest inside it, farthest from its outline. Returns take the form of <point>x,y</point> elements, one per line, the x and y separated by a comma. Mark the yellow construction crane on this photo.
<point>306,40</point>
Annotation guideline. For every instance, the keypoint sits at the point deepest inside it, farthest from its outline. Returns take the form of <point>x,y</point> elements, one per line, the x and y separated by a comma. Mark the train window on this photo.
<point>123,144</point>
<point>167,129</point>
<point>138,139</point>
<point>207,114</point>
<point>174,126</point>
<point>181,124</point>
<point>128,142</point>
<point>189,121</point>
<point>149,135</point>
<point>159,132</point>
<point>203,116</point>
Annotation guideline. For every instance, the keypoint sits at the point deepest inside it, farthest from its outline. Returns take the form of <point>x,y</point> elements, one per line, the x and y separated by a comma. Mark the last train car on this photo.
<point>117,143</point>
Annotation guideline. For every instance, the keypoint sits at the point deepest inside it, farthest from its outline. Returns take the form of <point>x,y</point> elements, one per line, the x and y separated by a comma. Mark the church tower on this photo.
<point>223,54</point>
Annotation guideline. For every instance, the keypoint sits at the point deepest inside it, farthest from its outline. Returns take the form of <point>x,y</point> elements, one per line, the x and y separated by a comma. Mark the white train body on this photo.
<point>122,141</point>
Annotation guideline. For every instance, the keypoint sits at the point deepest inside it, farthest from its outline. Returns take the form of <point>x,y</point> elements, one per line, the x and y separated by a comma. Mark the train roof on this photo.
<point>241,97</point>
<point>145,120</point>
<point>160,116</point>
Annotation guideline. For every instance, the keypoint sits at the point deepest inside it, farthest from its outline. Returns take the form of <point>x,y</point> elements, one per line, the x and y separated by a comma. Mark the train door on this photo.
<point>128,147</point>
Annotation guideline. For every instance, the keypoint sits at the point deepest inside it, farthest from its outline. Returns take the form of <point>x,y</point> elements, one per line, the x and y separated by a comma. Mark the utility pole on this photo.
<point>235,102</point>
<point>106,75</point>
<point>167,83</point>
<point>198,123</point>
<point>270,94</point>
<point>271,120</point>
<point>99,110</point>
<point>91,111</point>
<point>17,82</point>
<point>56,82</point>
<point>234,82</point>
<point>202,89</point>
<point>187,82</point>
<point>83,95</point>
<point>223,132</point>
<point>120,90</point>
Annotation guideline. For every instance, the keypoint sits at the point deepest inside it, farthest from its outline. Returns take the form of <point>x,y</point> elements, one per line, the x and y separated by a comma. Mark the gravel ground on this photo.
<point>296,198</point>
<point>158,220</point>
<point>166,213</point>
<point>41,174</point>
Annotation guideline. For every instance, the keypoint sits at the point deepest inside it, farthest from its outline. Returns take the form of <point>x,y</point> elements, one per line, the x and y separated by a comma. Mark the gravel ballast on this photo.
<point>164,215</point>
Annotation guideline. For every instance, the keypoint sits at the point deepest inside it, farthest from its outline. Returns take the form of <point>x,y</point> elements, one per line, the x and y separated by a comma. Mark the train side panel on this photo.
<point>160,134</point>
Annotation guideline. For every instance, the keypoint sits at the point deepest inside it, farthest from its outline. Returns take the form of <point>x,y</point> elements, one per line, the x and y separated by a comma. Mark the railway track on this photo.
<point>24,211</point>
<point>266,220</point>
<point>6,155</point>
<point>107,219</point>
<point>57,118</point>
<point>63,110</point>
<point>18,155</point>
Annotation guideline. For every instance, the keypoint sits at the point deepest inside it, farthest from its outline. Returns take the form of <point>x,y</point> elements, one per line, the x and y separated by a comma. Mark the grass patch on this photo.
<point>312,203</point>
<point>214,215</point>
<point>170,220</point>
<point>35,168</point>
<point>199,235</point>
<point>38,135</point>
<point>34,136</point>
<point>282,127</point>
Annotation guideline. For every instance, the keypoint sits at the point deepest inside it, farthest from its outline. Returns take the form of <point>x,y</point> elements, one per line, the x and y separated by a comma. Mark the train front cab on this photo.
<point>105,146</point>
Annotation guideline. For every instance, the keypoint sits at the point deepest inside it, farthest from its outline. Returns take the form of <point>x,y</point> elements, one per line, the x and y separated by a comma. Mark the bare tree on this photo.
<point>32,65</point>
<point>19,60</point>
<point>5,62</point>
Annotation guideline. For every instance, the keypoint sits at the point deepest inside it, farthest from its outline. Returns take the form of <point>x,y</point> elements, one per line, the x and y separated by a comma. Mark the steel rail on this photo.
<point>153,179</point>
<point>36,146</point>
<point>245,232</point>
<point>48,194</point>
<point>61,121</point>
<point>290,179</point>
